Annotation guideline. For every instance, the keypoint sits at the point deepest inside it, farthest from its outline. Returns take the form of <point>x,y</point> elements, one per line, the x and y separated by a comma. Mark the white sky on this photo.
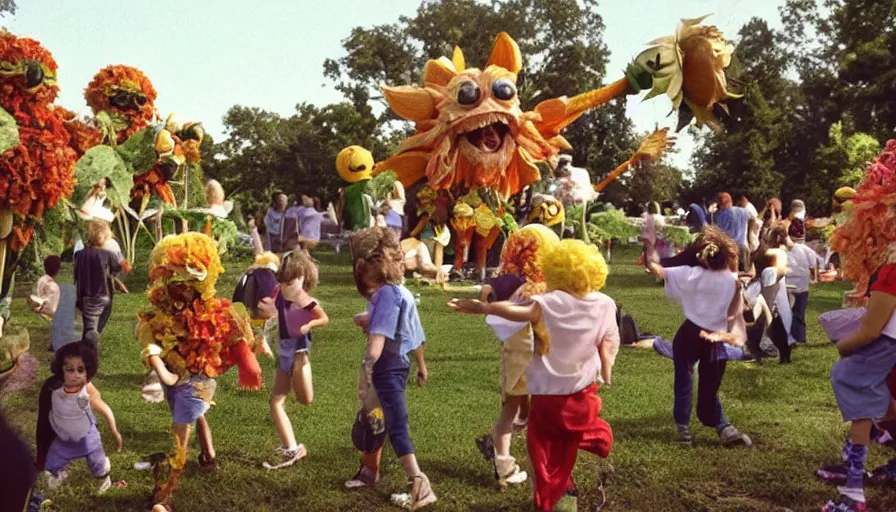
<point>203,56</point>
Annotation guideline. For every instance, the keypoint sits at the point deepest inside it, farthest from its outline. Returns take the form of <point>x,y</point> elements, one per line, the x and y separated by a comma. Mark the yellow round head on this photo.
<point>574,267</point>
<point>354,164</point>
<point>522,250</point>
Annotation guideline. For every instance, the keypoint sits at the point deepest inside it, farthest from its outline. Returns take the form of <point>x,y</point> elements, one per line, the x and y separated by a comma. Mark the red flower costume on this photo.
<point>37,172</point>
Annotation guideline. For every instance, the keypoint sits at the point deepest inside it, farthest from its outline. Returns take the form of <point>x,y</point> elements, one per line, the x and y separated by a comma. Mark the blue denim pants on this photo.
<point>687,349</point>
<point>390,379</point>
<point>798,328</point>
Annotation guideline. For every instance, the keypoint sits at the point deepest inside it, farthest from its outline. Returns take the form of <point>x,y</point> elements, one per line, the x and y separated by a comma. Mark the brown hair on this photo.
<point>778,236</point>
<point>98,231</point>
<point>724,199</point>
<point>298,265</point>
<point>377,259</point>
<point>716,250</point>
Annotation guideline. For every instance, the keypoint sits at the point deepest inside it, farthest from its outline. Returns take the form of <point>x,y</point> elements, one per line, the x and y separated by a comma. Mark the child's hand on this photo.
<point>266,348</point>
<point>305,329</point>
<point>126,266</point>
<point>471,306</point>
<point>118,440</point>
<point>715,337</point>
<point>422,375</point>
<point>362,320</point>
<point>267,307</point>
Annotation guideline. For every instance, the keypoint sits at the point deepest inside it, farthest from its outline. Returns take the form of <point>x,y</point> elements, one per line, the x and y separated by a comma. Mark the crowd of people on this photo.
<point>745,278</point>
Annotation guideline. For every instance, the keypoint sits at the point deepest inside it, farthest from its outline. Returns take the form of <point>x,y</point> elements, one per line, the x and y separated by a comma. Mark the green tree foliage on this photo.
<point>821,95</point>
<point>7,6</point>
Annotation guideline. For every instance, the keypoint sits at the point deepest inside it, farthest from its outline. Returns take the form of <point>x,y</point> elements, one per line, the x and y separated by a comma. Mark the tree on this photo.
<point>7,6</point>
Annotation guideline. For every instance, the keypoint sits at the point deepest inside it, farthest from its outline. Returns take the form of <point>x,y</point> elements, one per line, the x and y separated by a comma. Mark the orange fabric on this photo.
<point>560,426</point>
<point>247,364</point>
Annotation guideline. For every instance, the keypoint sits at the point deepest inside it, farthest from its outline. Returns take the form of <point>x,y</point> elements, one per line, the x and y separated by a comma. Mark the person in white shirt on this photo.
<point>802,268</point>
<point>754,225</point>
<point>706,293</point>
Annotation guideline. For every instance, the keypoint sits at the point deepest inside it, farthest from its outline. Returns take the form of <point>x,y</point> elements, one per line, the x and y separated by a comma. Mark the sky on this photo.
<point>204,56</point>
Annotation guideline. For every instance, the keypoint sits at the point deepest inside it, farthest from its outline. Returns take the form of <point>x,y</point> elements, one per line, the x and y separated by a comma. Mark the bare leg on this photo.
<point>301,379</point>
<point>278,410</point>
<point>504,426</point>
<point>860,431</point>
<point>205,437</point>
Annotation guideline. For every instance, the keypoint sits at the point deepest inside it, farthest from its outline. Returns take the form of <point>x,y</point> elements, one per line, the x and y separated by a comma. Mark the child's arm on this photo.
<point>155,362</point>
<point>656,269</point>
<point>319,318</point>
<point>880,308</point>
<point>529,312</point>
<point>362,320</point>
<point>97,402</point>
<point>422,371</point>
<point>375,344</point>
<point>608,349</point>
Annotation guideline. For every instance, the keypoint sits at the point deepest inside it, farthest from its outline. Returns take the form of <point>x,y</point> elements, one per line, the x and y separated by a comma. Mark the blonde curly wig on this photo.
<point>574,267</point>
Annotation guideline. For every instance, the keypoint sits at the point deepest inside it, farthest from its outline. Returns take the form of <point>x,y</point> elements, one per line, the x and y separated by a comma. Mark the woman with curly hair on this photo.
<point>706,293</point>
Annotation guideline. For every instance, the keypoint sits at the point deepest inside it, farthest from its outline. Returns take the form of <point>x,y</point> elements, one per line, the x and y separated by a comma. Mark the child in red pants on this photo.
<point>579,349</point>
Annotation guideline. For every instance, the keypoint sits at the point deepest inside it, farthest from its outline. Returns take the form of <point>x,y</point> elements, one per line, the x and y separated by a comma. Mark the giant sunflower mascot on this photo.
<point>189,338</point>
<point>474,139</point>
<point>36,163</point>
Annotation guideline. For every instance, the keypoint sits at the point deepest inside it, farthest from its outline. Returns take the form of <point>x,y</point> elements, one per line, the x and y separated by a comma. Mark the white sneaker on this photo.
<point>286,457</point>
<point>104,486</point>
<point>54,481</point>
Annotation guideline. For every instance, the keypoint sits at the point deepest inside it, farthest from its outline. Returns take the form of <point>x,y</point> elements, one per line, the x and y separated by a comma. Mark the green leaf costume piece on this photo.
<point>9,132</point>
<point>102,162</point>
<point>356,209</point>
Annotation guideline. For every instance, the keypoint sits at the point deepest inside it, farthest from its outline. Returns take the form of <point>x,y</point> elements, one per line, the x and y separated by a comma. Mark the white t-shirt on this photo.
<point>577,327</point>
<point>704,294</point>
<point>800,260</point>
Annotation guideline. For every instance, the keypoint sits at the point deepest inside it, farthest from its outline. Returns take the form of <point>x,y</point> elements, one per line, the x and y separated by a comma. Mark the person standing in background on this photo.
<point>754,225</point>
<point>733,221</point>
<point>273,221</point>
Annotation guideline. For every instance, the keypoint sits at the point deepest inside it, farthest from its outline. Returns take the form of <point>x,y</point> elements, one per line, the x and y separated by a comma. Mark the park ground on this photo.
<point>789,411</point>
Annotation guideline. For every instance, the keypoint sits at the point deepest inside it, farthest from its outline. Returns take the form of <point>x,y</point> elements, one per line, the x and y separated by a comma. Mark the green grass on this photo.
<point>788,410</point>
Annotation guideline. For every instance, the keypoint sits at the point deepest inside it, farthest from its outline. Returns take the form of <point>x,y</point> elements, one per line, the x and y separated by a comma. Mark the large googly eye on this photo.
<point>34,74</point>
<point>140,100</point>
<point>503,89</point>
<point>468,93</point>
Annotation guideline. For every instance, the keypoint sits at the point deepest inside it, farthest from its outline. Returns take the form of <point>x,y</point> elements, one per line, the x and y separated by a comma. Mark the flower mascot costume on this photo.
<point>36,163</point>
<point>521,277</point>
<point>474,139</point>
<point>189,337</point>
<point>354,165</point>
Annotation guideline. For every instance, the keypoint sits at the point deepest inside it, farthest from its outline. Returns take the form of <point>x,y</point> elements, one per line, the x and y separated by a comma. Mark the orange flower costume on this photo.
<point>37,166</point>
<point>472,132</point>
<point>197,336</point>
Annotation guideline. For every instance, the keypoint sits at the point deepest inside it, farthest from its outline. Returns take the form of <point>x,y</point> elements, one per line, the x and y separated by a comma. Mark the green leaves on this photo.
<point>138,152</point>
<point>102,162</point>
<point>9,131</point>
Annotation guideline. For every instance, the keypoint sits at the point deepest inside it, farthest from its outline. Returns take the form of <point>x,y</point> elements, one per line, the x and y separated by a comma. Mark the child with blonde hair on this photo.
<point>520,278</point>
<point>578,351</point>
<point>393,331</point>
<point>297,313</point>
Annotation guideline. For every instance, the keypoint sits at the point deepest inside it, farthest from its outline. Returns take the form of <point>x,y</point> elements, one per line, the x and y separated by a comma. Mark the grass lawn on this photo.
<point>789,411</point>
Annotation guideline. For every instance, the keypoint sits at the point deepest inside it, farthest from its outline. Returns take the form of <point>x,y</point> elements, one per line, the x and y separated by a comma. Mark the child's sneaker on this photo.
<point>286,457</point>
<point>422,494</point>
<point>486,446</point>
<point>684,435</point>
<point>507,471</point>
<point>55,480</point>
<point>363,478</point>
<point>834,474</point>
<point>208,464</point>
<point>884,474</point>
<point>845,504</point>
<point>104,485</point>
<point>730,436</point>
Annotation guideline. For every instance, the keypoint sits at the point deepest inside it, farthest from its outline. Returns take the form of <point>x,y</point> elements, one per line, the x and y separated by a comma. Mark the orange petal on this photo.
<point>410,167</point>
<point>506,54</point>
<point>411,103</point>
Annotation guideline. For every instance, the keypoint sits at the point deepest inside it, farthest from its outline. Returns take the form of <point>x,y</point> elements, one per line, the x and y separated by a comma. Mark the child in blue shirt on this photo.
<point>393,331</point>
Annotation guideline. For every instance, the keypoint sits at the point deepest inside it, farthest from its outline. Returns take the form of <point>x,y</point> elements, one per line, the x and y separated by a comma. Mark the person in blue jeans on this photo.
<point>393,331</point>
<point>705,293</point>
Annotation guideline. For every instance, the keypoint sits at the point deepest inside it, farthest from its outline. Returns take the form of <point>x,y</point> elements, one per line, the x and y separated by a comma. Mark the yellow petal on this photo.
<point>411,103</point>
<point>409,167</point>
<point>439,72</point>
<point>458,60</point>
<point>506,53</point>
